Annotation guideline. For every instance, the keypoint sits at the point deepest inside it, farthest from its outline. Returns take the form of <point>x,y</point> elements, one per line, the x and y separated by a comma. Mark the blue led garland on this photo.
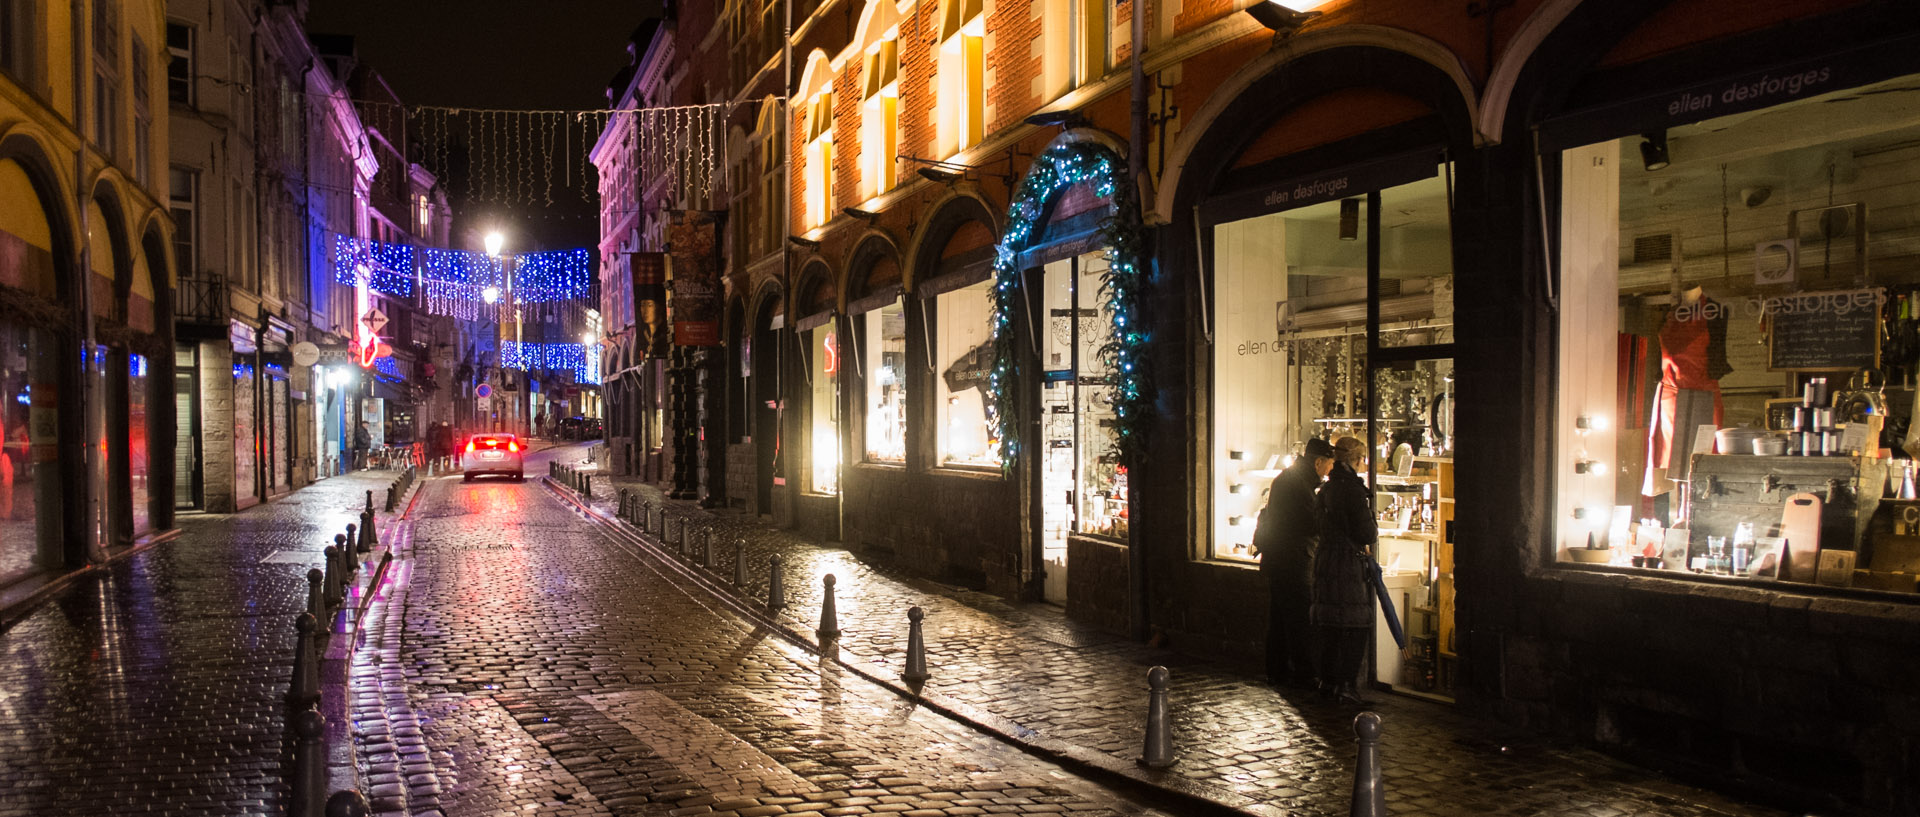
<point>571,357</point>
<point>560,275</point>
<point>389,267</point>
<point>1120,291</point>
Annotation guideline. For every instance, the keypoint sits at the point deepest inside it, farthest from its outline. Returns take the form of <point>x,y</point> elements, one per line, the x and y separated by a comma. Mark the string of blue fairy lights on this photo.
<point>455,280</point>
<point>573,357</point>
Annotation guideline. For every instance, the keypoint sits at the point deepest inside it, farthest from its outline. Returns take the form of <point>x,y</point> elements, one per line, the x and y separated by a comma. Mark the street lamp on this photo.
<point>490,295</point>
<point>494,241</point>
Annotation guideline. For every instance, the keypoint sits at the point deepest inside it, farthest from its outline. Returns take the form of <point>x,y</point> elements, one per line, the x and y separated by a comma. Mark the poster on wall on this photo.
<point>650,301</point>
<point>695,288</point>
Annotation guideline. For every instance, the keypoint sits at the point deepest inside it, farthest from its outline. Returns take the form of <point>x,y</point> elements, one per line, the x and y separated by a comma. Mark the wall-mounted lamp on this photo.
<point>1235,520</point>
<point>1237,488</point>
<point>1283,17</point>
<point>1653,151</point>
<point>1066,119</point>
<point>1349,219</point>
<point>1590,422</point>
<point>941,175</point>
<point>1236,455</point>
<point>1594,467</point>
<point>866,215</point>
<point>803,243</point>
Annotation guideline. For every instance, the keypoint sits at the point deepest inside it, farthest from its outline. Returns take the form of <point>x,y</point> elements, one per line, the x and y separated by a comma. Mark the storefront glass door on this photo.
<point>1083,489</point>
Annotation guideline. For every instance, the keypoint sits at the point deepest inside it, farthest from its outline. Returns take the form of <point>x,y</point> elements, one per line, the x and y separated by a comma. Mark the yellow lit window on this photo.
<point>879,117</point>
<point>819,158</point>
<point>962,119</point>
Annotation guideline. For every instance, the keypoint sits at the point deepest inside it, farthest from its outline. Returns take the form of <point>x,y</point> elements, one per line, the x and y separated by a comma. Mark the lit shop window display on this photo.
<point>963,363</point>
<point>886,382</point>
<point>1739,343</point>
<point>1290,324</point>
<point>1083,485</point>
<point>823,404</point>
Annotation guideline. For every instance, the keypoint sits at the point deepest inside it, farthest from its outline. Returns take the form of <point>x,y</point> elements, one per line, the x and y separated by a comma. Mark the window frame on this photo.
<point>180,65</point>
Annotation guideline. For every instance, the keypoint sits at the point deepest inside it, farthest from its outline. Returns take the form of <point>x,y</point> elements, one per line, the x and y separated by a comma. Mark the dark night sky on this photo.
<point>507,54</point>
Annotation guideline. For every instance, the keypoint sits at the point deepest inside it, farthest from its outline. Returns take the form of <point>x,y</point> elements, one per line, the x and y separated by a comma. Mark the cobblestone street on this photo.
<point>527,658</point>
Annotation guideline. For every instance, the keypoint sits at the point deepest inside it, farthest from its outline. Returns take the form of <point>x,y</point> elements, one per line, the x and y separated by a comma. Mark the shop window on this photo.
<point>1083,484</point>
<point>820,159</point>
<point>885,376</point>
<point>880,117</point>
<point>180,67</point>
<point>1737,343</point>
<point>1291,341</point>
<point>823,407</point>
<point>139,462</point>
<point>962,364</point>
<point>29,474</point>
<point>962,73</point>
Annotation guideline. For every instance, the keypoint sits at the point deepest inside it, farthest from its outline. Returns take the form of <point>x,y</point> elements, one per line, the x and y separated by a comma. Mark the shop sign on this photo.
<point>1738,93</point>
<point>695,286</point>
<point>305,353</point>
<point>1331,185</point>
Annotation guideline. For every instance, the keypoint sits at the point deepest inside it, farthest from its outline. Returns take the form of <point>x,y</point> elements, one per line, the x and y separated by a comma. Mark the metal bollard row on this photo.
<point>829,617</point>
<point>304,690</point>
<point>1369,794</point>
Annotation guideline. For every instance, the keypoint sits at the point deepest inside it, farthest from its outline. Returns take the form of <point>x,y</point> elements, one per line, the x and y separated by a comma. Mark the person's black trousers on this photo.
<point>1342,649</point>
<point>1289,635</point>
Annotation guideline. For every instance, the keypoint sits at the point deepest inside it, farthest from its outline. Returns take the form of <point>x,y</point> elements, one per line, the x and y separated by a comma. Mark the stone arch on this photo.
<point>949,214</point>
<point>874,249</point>
<point>106,194</point>
<point>1495,100</point>
<point>26,149</point>
<point>816,288</point>
<point>1299,69</point>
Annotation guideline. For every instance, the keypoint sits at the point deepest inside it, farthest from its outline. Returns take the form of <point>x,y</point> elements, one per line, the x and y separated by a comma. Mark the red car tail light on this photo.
<point>469,446</point>
<point>513,446</point>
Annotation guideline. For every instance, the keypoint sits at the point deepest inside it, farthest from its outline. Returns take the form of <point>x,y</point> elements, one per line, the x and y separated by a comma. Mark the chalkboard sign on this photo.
<point>1824,331</point>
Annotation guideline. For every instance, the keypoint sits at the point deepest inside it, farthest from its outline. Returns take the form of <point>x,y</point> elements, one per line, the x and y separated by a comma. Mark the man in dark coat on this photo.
<point>1288,531</point>
<point>1342,610</point>
<point>362,443</point>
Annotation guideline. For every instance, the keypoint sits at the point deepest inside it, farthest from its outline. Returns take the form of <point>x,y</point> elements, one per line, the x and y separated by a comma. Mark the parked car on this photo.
<point>493,454</point>
<point>579,428</point>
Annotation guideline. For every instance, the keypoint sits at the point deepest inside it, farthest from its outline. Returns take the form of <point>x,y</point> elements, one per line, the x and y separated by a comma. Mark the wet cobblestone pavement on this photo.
<point>544,666</point>
<point>1028,673</point>
<point>158,685</point>
<point>526,659</point>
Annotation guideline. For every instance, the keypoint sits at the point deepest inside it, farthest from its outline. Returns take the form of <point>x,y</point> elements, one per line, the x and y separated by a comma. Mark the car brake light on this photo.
<point>513,446</point>
<point>469,446</point>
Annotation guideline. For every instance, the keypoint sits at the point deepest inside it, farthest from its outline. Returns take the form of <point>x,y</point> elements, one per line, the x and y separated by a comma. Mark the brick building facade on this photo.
<point>1412,225</point>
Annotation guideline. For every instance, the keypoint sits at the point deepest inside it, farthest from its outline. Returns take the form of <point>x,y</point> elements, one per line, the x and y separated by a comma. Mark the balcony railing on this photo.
<point>201,297</point>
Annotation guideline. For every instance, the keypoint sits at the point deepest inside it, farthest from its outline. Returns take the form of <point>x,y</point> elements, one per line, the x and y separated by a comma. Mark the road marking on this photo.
<point>724,765</point>
<point>291,557</point>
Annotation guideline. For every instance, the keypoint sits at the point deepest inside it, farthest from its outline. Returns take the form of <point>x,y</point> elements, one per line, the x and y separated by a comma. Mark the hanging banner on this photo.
<point>650,301</point>
<point>695,287</point>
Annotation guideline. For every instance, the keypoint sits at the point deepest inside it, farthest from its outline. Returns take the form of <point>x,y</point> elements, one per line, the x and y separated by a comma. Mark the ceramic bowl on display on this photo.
<point>1771,445</point>
<point>1737,440</point>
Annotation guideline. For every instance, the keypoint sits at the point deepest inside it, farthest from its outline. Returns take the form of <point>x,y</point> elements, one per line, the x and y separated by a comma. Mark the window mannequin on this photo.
<point>1693,358</point>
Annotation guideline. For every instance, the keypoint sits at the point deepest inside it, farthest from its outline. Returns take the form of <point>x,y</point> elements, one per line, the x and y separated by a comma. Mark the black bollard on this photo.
<point>367,539</point>
<point>369,500</point>
<point>345,554</point>
<point>390,497</point>
<point>1369,795</point>
<point>586,484</point>
<point>332,577</point>
<point>304,690</point>
<point>309,765</point>
<point>916,670</point>
<point>829,618</point>
<point>348,803</point>
<point>1159,751</point>
<point>740,563</point>
<point>317,593</point>
<point>776,586</point>
<point>706,547</point>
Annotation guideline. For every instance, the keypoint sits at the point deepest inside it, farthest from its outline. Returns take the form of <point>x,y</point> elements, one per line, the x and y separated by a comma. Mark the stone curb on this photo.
<point>374,695</point>
<point>1191,796</point>
<point>26,596</point>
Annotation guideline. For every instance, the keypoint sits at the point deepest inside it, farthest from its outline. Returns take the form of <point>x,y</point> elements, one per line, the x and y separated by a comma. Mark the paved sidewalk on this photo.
<point>1078,695</point>
<point>158,684</point>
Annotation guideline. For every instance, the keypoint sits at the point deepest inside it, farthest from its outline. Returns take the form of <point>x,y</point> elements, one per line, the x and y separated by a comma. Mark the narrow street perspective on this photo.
<point>1142,408</point>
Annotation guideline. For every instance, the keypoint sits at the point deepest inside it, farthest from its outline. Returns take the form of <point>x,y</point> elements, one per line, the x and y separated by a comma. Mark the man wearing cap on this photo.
<point>1285,539</point>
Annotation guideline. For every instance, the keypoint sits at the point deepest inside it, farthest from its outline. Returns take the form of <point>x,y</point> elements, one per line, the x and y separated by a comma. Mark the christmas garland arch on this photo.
<point>1123,354</point>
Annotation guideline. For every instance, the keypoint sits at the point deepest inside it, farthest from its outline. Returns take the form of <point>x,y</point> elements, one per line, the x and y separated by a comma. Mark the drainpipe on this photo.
<point>1139,609</point>
<point>92,466</point>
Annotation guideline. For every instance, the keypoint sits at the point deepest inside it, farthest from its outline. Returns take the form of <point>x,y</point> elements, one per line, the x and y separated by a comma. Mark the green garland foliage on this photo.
<point>1120,292</point>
